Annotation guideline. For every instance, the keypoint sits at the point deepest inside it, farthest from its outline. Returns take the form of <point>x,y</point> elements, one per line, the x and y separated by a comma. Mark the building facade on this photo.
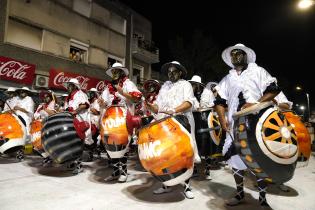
<point>53,40</point>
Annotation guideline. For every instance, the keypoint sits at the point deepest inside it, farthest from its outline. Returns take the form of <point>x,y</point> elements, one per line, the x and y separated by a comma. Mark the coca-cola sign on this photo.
<point>16,71</point>
<point>57,78</point>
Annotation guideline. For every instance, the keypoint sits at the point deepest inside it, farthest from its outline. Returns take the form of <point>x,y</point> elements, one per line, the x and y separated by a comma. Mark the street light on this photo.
<point>299,88</point>
<point>305,4</point>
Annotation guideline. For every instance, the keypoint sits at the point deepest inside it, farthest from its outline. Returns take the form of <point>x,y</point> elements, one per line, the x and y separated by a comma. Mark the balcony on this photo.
<point>145,50</point>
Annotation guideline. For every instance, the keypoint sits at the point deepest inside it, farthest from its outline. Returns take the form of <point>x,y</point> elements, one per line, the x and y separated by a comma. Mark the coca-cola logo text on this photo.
<point>13,69</point>
<point>61,78</point>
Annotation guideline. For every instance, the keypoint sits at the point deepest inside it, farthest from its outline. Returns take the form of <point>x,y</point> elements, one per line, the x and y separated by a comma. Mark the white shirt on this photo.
<point>281,98</point>
<point>172,95</point>
<point>252,82</point>
<point>40,113</point>
<point>95,118</point>
<point>128,87</point>
<point>11,102</point>
<point>26,103</point>
<point>207,97</point>
<point>79,98</point>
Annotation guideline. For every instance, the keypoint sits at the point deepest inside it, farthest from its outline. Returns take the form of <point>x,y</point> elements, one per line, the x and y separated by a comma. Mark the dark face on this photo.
<point>197,88</point>
<point>238,57</point>
<point>174,74</point>
<point>11,94</point>
<point>71,87</point>
<point>22,94</point>
<point>91,94</point>
<point>47,98</point>
<point>117,73</point>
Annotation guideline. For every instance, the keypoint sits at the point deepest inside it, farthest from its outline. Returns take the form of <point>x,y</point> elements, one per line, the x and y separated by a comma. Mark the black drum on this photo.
<point>60,139</point>
<point>266,142</point>
<point>208,133</point>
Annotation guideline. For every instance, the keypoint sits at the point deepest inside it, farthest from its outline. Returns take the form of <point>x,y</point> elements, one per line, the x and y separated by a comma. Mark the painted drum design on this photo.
<point>266,142</point>
<point>303,137</point>
<point>114,133</point>
<point>12,133</point>
<point>60,139</point>
<point>166,150</point>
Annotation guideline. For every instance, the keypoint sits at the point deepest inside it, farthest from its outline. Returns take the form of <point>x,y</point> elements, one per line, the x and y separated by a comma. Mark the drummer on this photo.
<point>245,85</point>
<point>25,106</point>
<point>78,104</point>
<point>176,96</point>
<point>11,101</point>
<point>95,118</point>
<point>120,91</point>
<point>151,89</point>
<point>47,107</point>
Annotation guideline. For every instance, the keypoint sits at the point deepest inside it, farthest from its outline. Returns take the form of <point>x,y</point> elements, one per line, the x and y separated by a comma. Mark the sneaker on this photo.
<point>122,178</point>
<point>162,190</point>
<point>189,194</point>
<point>233,201</point>
<point>208,175</point>
<point>111,178</point>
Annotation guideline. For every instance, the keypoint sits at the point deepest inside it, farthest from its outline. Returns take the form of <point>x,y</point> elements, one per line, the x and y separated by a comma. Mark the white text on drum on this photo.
<point>114,123</point>
<point>148,150</point>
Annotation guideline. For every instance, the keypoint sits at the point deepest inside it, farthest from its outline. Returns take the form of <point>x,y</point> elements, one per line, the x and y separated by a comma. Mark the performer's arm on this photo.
<point>220,107</point>
<point>153,107</point>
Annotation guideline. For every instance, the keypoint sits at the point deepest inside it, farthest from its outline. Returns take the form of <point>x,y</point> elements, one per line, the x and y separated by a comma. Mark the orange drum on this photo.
<point>166,150</point>
<point>12,133</point>
<point>302,134</point>
<point>35,132</point>
<point>113,130</point>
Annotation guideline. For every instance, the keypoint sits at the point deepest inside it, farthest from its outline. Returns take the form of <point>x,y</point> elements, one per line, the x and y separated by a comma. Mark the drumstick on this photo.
<point>203,130</point>
<point>8,106</point>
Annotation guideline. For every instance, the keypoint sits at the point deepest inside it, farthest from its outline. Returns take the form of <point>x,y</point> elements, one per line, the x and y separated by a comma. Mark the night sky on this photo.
<point>282,36</point>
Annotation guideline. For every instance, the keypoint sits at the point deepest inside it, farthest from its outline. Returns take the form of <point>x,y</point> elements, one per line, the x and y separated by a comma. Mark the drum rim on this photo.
<point>160,120</point>
<point>252,109</point>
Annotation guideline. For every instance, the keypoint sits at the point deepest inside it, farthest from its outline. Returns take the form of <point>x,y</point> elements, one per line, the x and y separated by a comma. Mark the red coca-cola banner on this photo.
<point>16,71</point>
<point>58,77</point>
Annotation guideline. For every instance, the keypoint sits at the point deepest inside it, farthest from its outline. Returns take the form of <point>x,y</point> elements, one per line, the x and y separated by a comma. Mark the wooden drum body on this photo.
<point>166,150</point>
<point>266,142</point>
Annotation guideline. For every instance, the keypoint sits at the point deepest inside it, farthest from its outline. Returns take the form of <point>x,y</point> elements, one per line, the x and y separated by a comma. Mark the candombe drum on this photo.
<point>303,137</point>
<point>114,133</point>
<point>36,136</point>
<point>207,146</point>
<point>12,133</point>
<point>266,142</point>
<point>165,149</point>
<point>60,139</point>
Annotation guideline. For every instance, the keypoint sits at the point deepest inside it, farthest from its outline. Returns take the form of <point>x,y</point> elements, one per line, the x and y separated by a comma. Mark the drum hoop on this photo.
<point>252,109</point>
<point>158,121</point>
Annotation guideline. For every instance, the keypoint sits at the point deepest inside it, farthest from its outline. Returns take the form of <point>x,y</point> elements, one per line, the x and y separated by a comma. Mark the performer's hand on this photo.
<point>101,102</point>
<point>74,112</point>
<point>169,112</point>
<point>224,124</point>
<point>247,105</point>
<point>119,89</point>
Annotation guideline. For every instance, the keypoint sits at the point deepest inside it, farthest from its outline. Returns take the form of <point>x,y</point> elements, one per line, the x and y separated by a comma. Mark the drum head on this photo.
<point>12,133</point>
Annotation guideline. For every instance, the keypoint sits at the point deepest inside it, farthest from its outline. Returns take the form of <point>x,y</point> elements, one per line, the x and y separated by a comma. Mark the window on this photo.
<point>113,59</point>
<point>78,51</point>
<point>138,74</point>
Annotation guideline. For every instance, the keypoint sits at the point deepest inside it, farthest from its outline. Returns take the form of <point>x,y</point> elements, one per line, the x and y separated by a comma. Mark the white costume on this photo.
<point>171,96</point>
<point>10,102</point>
<point>207,97</point>
<point>129,87</point>
<point>252,82</point>
<point>281,98</point>
<point>95,119</point>
<point>40,113</point>
<point>74,100</point>
<point>26,103</point>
